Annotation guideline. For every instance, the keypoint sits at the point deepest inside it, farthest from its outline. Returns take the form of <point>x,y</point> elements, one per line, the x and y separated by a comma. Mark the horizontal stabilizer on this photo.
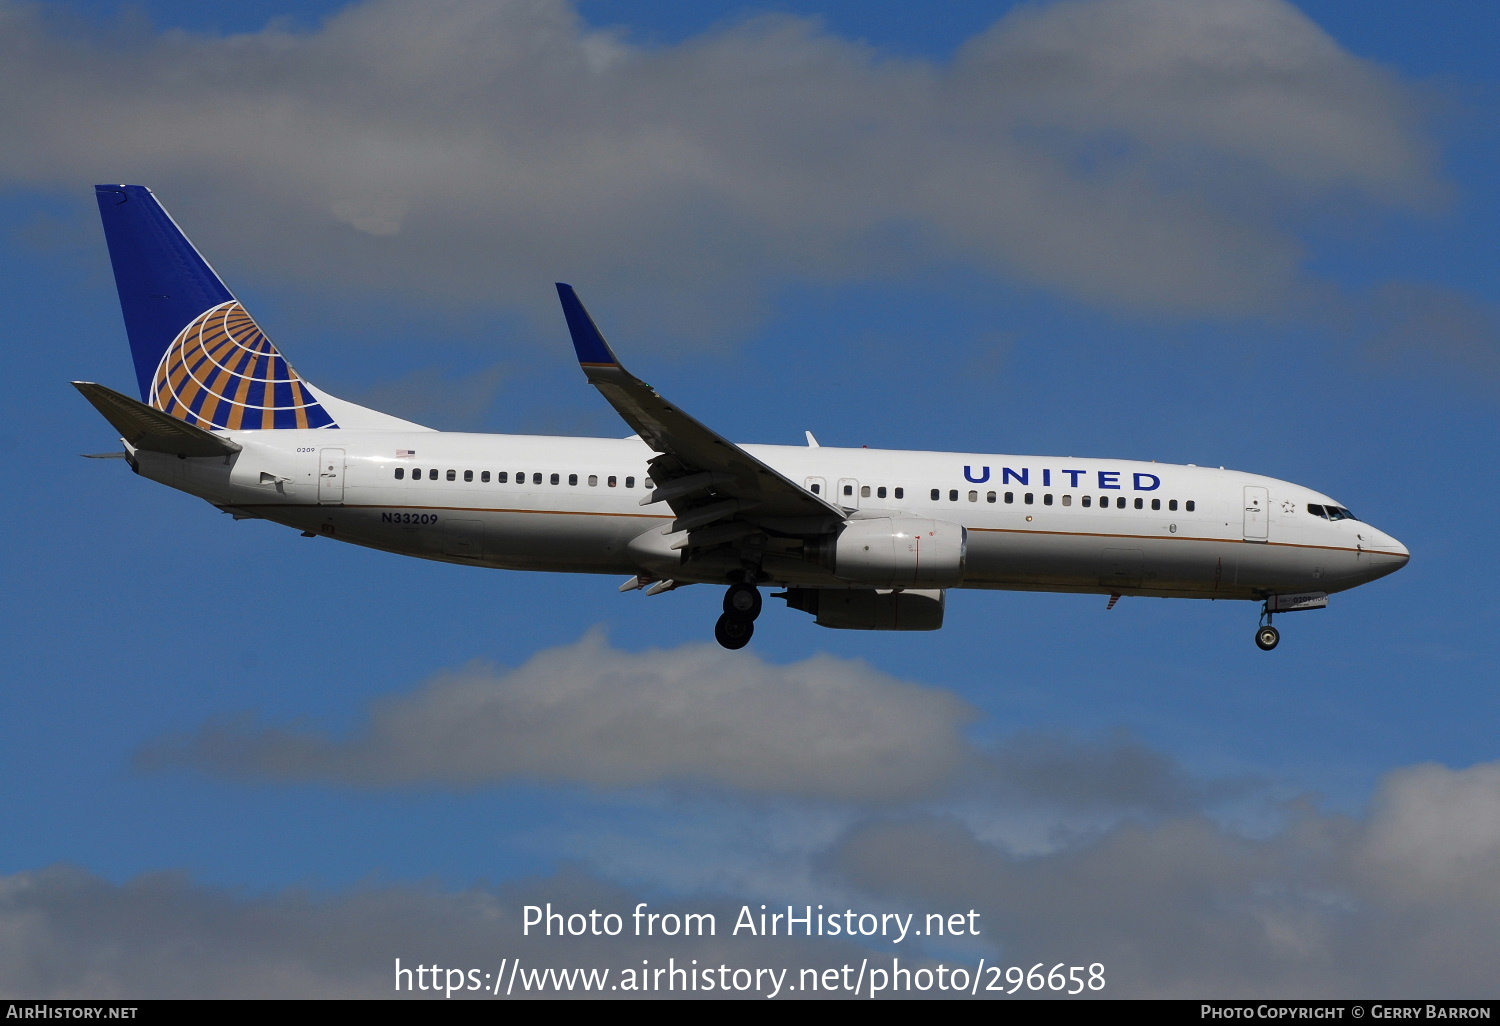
<point>144,427</point>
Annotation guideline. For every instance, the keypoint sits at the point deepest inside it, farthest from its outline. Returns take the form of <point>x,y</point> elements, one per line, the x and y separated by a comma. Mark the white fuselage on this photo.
<point>526,502</point>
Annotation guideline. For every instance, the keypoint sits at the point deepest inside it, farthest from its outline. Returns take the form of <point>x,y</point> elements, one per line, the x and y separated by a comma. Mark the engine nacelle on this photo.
<point>900,553</point>
<point>859,609</point>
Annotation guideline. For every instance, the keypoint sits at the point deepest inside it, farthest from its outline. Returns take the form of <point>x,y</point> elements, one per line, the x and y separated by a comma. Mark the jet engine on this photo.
<point>887,552</point>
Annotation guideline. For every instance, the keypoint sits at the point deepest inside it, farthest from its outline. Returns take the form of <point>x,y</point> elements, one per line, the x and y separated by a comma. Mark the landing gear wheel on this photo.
<point>733,631</point>
<point>1267,637</point>
<point>743,601</point>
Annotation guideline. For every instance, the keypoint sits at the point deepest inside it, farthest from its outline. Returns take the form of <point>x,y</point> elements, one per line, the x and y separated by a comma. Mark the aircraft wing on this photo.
<point>705,478</point>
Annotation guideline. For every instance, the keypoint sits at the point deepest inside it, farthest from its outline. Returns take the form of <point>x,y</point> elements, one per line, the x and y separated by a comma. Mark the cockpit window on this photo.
<point>1330,512</point>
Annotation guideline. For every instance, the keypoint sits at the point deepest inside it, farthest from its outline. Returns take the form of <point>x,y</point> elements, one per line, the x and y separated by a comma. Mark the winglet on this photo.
<point>588,341</point>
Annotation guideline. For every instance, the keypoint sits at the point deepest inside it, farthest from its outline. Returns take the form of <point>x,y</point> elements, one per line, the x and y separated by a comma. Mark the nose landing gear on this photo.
<point>742,604</point>
<point>1266,636</point>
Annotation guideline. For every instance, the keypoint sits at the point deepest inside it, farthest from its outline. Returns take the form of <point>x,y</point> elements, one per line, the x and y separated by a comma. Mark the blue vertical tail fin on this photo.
<point>198,353</point>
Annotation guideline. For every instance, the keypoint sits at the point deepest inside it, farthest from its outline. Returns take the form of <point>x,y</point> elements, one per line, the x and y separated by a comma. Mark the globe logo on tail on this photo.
<point>222,371</point>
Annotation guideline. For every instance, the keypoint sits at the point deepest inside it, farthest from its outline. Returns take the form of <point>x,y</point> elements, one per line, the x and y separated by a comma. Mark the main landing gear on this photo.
<point>742,604</point>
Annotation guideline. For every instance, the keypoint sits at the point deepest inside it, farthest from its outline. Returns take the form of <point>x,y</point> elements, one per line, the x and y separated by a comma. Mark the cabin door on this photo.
<point>1257,513</point>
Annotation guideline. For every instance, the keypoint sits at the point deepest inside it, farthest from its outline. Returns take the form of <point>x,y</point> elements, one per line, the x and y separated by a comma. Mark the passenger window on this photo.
<point>432,475</point>
<point>880,492</point>
<point>1087,500</point>
<point>864,491</point>
<point>935,495</point>
<point>953,495</point>
<point>1030,498</point>
<point>1140,503</point>
<point>630,482</point>
<point>536,478</point>
<point>502,477</point>
<point>554,479</point>
<point>1047,499</point>
<point>900,493</point>
<point>611,481</point>
<point>400,473</point>
<point>817,489</point>
<point>1156,504</point>
<point>1120,502</point>
<point>469,475</point>
<point>593,480</point>
<point>646,482</point>
<point>572,479</point>
<point>1191,505</point>
<point>1010,496</point>
<point>484,476</point>
<point>989,496</point>
<point>1172,505</point>
<point>452,475</point>
<point>1067,500</point>
<point>848,489</point>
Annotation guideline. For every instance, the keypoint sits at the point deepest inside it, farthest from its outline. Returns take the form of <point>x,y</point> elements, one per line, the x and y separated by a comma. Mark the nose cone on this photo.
<point>1380,553</point>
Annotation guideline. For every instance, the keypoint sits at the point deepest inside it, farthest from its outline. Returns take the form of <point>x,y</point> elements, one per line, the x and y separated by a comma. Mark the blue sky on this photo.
<point>1251,234</point>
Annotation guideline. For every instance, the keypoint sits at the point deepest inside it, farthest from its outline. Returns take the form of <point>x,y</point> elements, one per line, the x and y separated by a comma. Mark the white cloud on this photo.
<point>591,714</point>
<point>1435,835</point>
<point>1255,80</point>
<point>864,791</point>
<point>67,933</point>
<point>1143,154</point>
<point>1399,904</point>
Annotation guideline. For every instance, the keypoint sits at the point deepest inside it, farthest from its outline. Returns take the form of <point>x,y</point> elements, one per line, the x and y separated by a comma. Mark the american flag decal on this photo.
<point>405,453</point>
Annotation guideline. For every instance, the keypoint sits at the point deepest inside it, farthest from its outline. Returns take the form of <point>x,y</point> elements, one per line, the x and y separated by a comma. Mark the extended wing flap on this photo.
<point>689,446</point>
<point>145,427</point>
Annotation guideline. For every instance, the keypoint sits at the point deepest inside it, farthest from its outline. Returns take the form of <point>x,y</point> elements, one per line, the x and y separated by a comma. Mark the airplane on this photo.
<point>861,539</point>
